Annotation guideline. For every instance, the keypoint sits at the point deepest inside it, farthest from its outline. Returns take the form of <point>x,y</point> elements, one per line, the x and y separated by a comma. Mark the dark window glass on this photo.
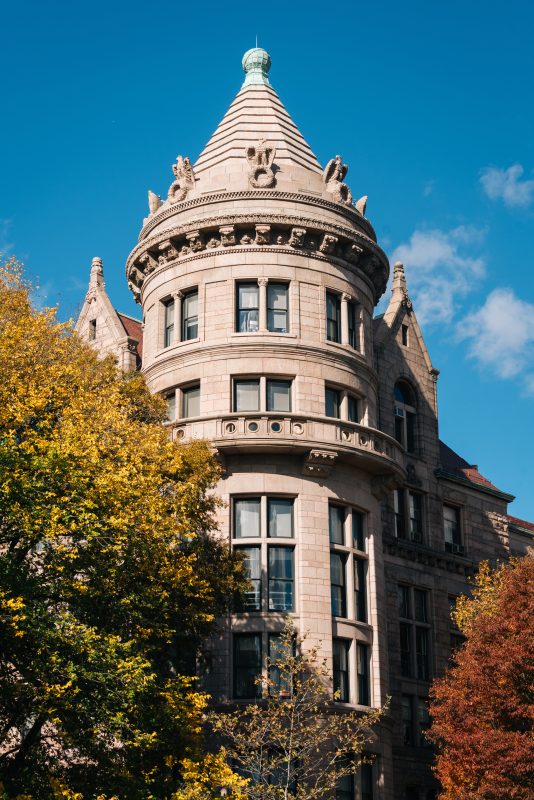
<point>404,394</point>
<point>281,681</point>
<point>367,781</point>
<point>404,335</point>
<point>336,521</point>
<point>407,721</point>
<point>278,395</point>
<point>247,395</point>
<point>168,330</point>
<point>352,310</point>
<point>92,329</point>
<point>358,530</point>
<point>416,517</point>
<point>280,515</point>
<point>400,517</point>
<point>405,416</point>
<point>451,525</point>
<point>360,589</point>
<point>251,558</point>
<point>277,307</point>
<point>333,315</point>
<point>247,517</point>
<point>191,401</point>
<point>412,793</point>
<point>171,406</point>
<point>420,598</point>
<point>332,402</point>
<point>406,649</point>
<point>353,409</point>
<point>422,653</point>
<point>247,666</point>
<point>190,316</point>
<point>280,579</point>
<point>345,788</point>
<point>410,432</point>
<point>423,719</point>
<point>405,606</point>
<point>247,307</point>
<point>337,579</point>
<point>363,674</point>
<point>341,669</point>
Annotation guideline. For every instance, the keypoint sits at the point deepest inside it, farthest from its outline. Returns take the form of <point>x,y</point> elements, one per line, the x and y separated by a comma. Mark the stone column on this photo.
<point>345,318</point>
<point>262,283</point>
<point>177,297</point>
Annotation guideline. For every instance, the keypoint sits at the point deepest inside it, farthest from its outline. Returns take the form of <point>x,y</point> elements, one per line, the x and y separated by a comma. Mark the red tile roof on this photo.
<point>456,465</point>
<point>521,523</point>
<point>134,329</point>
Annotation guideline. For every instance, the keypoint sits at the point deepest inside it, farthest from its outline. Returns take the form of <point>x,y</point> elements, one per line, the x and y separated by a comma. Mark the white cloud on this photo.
<point>440,269</point>
<point>506,185</point>
<point>428,188</point>
<point>6,246</point>
<point>501,336</point>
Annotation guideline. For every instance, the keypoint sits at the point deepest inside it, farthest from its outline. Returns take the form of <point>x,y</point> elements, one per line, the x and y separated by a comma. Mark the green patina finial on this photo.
<point>256,64</point>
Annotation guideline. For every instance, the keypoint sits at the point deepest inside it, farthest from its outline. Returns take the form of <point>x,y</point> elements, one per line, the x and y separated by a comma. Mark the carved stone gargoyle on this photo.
<point>185,180</point>
<point>154,202</point>
<point>260,160</point>
<point>333,176</point>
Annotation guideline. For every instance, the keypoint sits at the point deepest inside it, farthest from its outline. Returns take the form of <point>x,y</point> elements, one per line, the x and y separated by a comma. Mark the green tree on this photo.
<point>483,708</point>
<point>109,575</point>
<point>291,744</point>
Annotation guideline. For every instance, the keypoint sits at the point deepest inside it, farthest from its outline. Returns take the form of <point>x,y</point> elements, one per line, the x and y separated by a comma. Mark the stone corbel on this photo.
<point>319,463</point>
<point>263,234</point>
<point>227,235</point>
<point>296,238</point>
<point>328,245</point>
<point>383,485</point>
<point>353,253</point>
<point>149,262</point>
<point>168,250</point>
<point>194,240</point>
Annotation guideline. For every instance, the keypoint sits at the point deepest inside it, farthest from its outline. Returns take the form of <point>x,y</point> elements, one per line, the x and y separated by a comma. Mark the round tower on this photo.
<point>258,275</point>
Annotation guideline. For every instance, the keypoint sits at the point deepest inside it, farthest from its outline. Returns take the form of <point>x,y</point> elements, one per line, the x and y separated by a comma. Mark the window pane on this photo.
<point>363,674</point>
<point>171,406</point>
<point>278,395</point>
<point>277,652</point>
<point>416,516</point>
<point>422,653</point>
<point>367,781</point>
<point>353,324</point>
<point>247,665</point>
<point>247,395</point>
<point>190,316</point>
<point>353,410</point>
<point>406,649</point>
<point>333,308</point>
<point>277,307</point>
<point>332,402</point>
<point>400,523</point>
<point>407,721</point>
<point>280,513</point>
<point>405,608</point>
<point>336,519</point>
<point>358,531</point>
<point>251,559</point>
<point>168,335</point>
<point>420,605</point>
<point>337,582</point>
<point>451,525</point>
<point>280,579</point>
<point>360,589</point>
<point>345,788</point>
<point>341,669</point>
<point>191,401</point>
<point>247,307</point>
<point>247,517</point>
<point>423,718</point>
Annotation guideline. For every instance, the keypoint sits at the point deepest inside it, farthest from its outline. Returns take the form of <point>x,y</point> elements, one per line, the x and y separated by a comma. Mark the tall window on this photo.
<point>452,530</point>
<point>278,395</point>
<point>333,317</point>
<point>332,402</point>
<point>92,329</point>
<point>340,404</point>
<point>336,523</point>
<point>367,782</point>
<point>358,530</point>
<point>341,669</point>
<point>190,315</point>
<point>407,720</point>
<point>277,651</point>
<point>405,415</point>
<point>168,329</point>
<point>247,307</point>
<point>408,509</point>
<point>415,632</point>
<point>352,311</point>
<point>247,395</point>
<point>278,307</point>
<point>363,674</point>
<point>360,589</point>
<point>353,411</point>
<point>247,665</point>
<point>171,406</point>
<point>338,584</point>
<point>345,788</point>
<point>266,519</point>
<point>191,401</point>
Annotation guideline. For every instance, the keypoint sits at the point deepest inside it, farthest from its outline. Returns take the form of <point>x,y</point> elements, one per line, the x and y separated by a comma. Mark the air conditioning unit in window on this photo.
<point>458,549</point>
<point>399,412</point>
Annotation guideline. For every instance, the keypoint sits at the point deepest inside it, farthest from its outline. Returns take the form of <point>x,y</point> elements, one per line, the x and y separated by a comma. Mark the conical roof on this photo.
<point>256,113</point>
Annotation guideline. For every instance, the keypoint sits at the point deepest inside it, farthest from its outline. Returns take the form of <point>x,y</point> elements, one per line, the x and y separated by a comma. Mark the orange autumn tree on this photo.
<point>483,708</point>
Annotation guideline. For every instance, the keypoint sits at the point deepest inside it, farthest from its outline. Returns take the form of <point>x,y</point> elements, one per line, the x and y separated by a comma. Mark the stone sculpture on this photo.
<point>260,159</point>
<point>333,176</point>
<point>154,202</point>
<point>185,180</point>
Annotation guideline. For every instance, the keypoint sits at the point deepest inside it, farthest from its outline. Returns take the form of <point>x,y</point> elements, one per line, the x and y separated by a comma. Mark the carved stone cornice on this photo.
<point>219,197</point>
<point>319,463</point>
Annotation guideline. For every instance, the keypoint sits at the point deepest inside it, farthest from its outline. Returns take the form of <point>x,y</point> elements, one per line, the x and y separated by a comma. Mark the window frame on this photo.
<point>414,631</point>
<point>455,544</point>
<point>341,677</point>
<point>271,309</point>
<point>168,326</point>
<point>184,392</point>
<point>335,299</point>
<point>409,514</point>
<point>238,309</point>
<point>235,638</point>
<point>405,416</point>
<point>184,300</point>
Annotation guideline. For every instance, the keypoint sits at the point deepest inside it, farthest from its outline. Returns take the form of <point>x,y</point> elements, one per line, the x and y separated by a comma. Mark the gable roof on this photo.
<point>521,523</point>
<point>133,328</point>
<point>454,466</point>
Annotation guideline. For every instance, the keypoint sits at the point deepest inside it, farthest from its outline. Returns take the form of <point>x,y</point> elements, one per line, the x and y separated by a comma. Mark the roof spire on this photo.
<point>256,64</point>
<point>399,289</point>
<point>97,273</point>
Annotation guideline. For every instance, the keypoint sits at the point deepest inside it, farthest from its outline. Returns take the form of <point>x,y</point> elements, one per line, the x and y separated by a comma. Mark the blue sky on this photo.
<point>429,103</point>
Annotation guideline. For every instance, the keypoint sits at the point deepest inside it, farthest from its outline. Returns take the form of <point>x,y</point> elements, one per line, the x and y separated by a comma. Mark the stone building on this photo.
<point>258,276</point>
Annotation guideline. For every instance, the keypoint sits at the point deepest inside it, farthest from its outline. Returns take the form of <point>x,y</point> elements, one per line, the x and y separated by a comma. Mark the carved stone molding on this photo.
<point>296,238</point>
<point>319,463</point>
<point>383,485</point>
<point>260,160</point>
<point>263,234</point>
<point>333,176</point>
<point>227,233</point>
<point>185,180</point>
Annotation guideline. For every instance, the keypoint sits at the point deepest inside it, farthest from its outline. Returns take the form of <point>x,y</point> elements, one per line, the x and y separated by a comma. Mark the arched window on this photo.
<point>405,415</point>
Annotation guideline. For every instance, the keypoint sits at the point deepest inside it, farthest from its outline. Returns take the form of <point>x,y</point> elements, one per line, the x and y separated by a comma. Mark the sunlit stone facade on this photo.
<point>258,276</point>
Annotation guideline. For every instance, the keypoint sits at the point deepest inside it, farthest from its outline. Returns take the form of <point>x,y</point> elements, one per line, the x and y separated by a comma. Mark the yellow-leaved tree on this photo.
<point>110,576</point>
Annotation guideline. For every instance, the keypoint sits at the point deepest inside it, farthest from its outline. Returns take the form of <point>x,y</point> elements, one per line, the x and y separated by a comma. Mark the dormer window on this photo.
<point>405,415</point>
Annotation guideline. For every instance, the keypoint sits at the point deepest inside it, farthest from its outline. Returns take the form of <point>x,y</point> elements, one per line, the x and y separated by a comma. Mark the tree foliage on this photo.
<point>109,577</point>
<point>291,744</point>
<point>483,709</point>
